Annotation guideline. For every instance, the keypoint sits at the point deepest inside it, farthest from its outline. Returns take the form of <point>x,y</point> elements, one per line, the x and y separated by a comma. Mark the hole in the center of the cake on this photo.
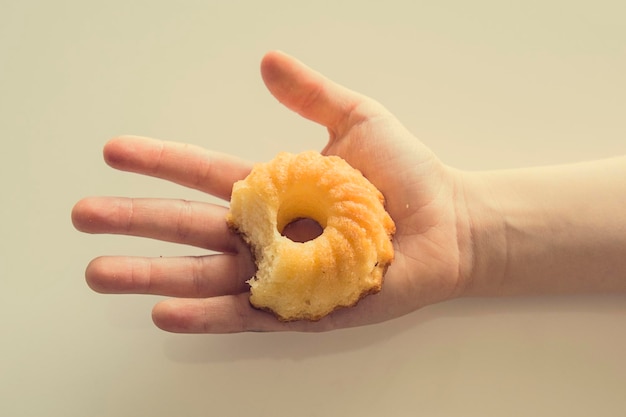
<point>302,230</point>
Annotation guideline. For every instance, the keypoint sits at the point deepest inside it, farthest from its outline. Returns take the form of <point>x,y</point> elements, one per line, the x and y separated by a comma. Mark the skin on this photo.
<point>458,233</point>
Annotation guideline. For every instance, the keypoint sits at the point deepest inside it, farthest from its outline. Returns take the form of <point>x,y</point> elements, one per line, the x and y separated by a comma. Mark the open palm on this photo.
<point>210,295</point>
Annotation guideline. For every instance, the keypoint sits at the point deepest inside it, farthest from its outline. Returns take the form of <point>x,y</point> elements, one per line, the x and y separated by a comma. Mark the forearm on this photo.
<point>549,230</point>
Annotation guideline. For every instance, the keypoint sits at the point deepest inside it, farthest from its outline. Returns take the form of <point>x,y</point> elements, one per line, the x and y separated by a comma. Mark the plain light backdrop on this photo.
<point>485,84</point>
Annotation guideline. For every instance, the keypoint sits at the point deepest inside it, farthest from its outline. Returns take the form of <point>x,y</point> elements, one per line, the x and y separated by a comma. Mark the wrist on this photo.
<point>546,230</point>
<point>482,236</point>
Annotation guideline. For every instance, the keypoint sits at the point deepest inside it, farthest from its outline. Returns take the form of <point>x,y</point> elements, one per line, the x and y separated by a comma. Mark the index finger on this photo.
<point>185,164</point>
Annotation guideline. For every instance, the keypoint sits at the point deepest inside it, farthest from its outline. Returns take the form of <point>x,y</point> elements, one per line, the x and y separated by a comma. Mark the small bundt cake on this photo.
<point>347,261</point>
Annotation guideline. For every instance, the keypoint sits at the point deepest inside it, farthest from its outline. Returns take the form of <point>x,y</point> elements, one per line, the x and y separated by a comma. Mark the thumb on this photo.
<point>314,96</point>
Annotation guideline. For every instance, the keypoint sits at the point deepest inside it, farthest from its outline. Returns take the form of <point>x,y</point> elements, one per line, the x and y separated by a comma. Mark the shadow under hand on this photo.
<point>301,346</point>
<point>283,345</point>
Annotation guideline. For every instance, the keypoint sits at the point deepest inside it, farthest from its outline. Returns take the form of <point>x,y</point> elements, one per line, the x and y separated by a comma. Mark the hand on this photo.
<point>432,256</point>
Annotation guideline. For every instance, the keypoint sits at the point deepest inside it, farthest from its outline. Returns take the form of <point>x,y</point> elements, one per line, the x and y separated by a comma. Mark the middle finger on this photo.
<point>188,277</point>
<point>193,223</point>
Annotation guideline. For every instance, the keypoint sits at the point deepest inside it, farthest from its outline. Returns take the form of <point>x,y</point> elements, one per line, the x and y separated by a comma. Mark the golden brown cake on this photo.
<point>308,280</point>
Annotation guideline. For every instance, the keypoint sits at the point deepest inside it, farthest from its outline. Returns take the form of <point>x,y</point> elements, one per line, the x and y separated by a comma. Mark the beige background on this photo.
<point>486,84</point>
